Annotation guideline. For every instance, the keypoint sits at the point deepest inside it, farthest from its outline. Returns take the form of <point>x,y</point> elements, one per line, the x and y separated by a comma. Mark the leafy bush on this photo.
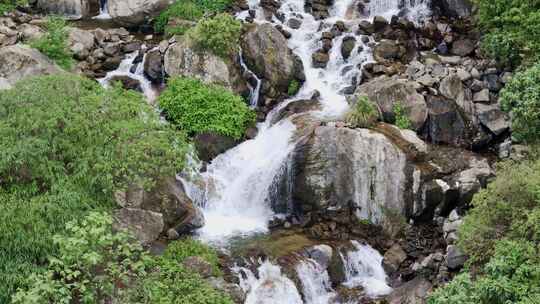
<point>521,97</point>
<point>402,121</point>
<point>294,87</point>
<point>219,34</point>
<point>9,5</point>
<point>191,10</point>
<point>67,145</point>
<point>91,266</point>
<point>511,276</point>
<point>364,114</point>
<point>513,28</point>
<point>54,42</point>
<point>198,108</point>
<point>180,250</point>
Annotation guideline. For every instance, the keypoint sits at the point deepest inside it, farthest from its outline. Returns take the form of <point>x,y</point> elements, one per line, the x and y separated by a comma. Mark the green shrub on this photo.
<point>91,266</point>
<point>511,276</point>
<point>402,121</point>
<point>510,203</point>
<point>180,250</point>
<point>364,114</point>
<point>198,108</point>
<point>521,97</point>
<point>294,87</point>
<point>54,43</point>
<point>513,28</point>
<point>9,5</point>
<point>219,34</point>
<point>67,145</point>
<point>190,10</point>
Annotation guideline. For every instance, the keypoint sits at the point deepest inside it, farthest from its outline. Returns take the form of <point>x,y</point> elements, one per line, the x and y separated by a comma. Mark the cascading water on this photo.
<point>414,10</point>
<point>316,285</point>
<point>363,267</point>
<point>125,69</point>
<point>254,89</point>
<point>103,10</point>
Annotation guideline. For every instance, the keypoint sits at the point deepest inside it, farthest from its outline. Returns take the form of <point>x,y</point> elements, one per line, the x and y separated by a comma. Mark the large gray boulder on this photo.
<point>386,92</point>
<point>415,291</point>
<point>135,12</point>
<point>81,42</point>
<point>183,59</point>
<point>266,53</point>
<point>145,225</point>
<point>20,61</point>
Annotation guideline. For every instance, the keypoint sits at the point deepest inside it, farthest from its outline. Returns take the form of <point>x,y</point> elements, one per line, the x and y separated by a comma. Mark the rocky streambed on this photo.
<point>306,208</point>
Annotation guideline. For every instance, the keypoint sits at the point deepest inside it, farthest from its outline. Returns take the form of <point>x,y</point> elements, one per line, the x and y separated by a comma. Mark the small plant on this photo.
<point>180,250</point>
<point>364,114</point>
<point>190,10</point>
<point>294,87</point>
<point>402,121</point>
<point>9,5</point>
<point>91,264</point>
<point>197,108</point>
<point>219,34</point>
<point>54,43</point>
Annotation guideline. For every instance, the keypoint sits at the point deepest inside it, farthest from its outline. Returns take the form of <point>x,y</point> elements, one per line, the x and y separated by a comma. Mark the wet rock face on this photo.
<point>454,8</point>
<point>153,67</point>
<point>210,145</point>
<point>19,61</point>
<point>266,53</point>
<point>182,59</point>
<point>72,8</point>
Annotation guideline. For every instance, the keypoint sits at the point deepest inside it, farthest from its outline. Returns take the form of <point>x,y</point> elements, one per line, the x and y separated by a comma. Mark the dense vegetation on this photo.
<point>67,144</point>
<point>9,5</point>
<point>513,29</point>
<point>54,43</point>
<point>94,265</point>
<point>363,114</point>
<point>197,108</point>
<point>219,34</point>
<point>188,10</point>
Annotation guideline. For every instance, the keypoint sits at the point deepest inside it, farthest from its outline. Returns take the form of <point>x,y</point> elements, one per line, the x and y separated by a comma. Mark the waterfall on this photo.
<point>363,267</point>
<point>103,11</point>
<point>254,89</point>
<point>414,10</point>
<point>316,285</point>
<point>125,69</point>
<point>270,287</point>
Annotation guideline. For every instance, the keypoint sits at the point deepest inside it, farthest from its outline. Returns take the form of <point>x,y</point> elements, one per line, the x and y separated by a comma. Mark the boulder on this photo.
<point>386,92</point>
<point>452,88</point>
<point>135,12</point>
<point>455,8</point>
<point>210,145</point>
<point>81,42</point>
<point>267,54</point>
<point>388,50</point>
<point>145,225</point>
<point>20,61</point>
<point>393,258</point>
<point>127,82</point>
<point>493,118</point>
<point>347,46</point>
<point>30,32</point>
<point>322,254</point>
<point>198,265</point>
<point>320,59</point>
<point>183,59</point>
<point>415,291</point>
<point>153,66</point>
<point>446,124</point>
<point>462,47</point>
<point>455,258</point>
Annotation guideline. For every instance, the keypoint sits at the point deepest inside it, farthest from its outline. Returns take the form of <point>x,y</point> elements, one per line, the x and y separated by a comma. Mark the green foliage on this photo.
<point>513,28</point>
<point>190,10</point>
<point>180,250</point>
<point>198,108</point>
<point>521,97</point>
<point>54,43</point>
<point>91,266</point>
<point>511,276</point>
<point>219,34</point>
<point>9,5</point>
<point>294,87</point>
<point>402,121</point>
<point>364,114</point>
<point>67,145</point>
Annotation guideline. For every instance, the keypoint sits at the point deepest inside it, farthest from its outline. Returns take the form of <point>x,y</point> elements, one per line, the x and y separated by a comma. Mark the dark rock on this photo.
<point>210,145</point>
<point>463,47</point>
<point>320,59</point>
<point>415,291</point>
<point>393,258</point>
<point>493,118</point>
<point>153,67</point>
<point>347,46</point>
<point>112,63</point>
<point>455,259</point>
<point>294,23</point>
<point>379,23</point>
<point>128,83</point>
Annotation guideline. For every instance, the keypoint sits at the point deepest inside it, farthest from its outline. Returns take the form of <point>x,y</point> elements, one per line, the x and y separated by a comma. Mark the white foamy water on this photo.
<point>103,11</point>
<point>363,267</point>
<point>124,69</point>
<point>270,287</point>
<point>316,285</point>
<point>414,10</point>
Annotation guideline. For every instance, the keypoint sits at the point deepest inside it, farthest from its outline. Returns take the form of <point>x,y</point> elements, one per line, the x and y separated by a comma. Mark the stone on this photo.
<point>294,23</point>
<point>81,42</point>
<point>153,67</point>
<point>30,32</point>
<point>415,291</point>
<point>336,269</point>
<point>452,88</point>
<point>320,59</point>
<point>70,8</point>
<point>266,53</point>
<point>184,59</point>
<point>128,83</point>
<point>210,145</point>
<point>477,85</point>
<point>455,259</point>
<point>4,84</point>
<point>135,12</point>
<point>379,23</point>
<point>462,47</point>
<point>493,118</point>
<point>347,46</point>
<point>463,74</point>
<point>233,290</point>
<point>145,225</point>
<point>386,92</point>
<point>452,60</point>
<point>387,50</point>
<point>198,265</point>
<point>493,82</point>
<point>482,96</point>
<point>393,258</point>
<point>322,254</point>
<point>471,180</point>
<point>20,61</point>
